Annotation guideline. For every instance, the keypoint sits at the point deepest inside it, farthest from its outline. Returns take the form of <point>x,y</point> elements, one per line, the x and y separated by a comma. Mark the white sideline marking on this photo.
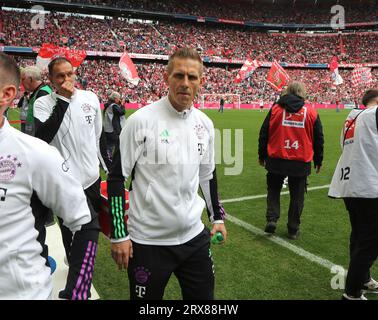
<point>56,250</point>
<point>299,251</point>
<point>264,195</point>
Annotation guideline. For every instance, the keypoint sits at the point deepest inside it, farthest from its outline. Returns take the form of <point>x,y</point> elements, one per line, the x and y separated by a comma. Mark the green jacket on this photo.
<point>29,126</point>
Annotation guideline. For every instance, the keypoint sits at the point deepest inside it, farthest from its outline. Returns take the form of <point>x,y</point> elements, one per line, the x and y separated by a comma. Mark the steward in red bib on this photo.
<point>290,138</point>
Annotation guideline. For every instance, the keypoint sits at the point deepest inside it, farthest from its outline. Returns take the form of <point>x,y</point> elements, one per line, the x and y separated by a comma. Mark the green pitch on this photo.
<point>250,265</point>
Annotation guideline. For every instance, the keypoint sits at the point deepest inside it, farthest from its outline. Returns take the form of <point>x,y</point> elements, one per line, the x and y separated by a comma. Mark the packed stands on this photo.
<point>160,37</point>
<point>92,34</point>
<point>101,76</point>
<point>248,11</point>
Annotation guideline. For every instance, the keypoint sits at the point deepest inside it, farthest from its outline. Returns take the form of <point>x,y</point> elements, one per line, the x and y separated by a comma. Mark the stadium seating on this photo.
<point>103,75</point>
<point>245,10</point>
<point>162,37</point>
<point>77,33</point>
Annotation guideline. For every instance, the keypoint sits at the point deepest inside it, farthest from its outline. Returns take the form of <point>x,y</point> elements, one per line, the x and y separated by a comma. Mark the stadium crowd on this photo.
<point>102,76</point>
<point>246,11</point>
<point>76,32</point>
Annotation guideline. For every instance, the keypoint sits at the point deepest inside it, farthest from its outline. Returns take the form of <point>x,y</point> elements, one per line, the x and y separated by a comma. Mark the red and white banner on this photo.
<point>335,76</point>
<point>76,57</point>
<point>362,76</point>
<point>277,76</point>
<point>46,53</point>
<point>128,69</point>
<point>49,52</point>
<point>247,70</point>
<point>231,21</point>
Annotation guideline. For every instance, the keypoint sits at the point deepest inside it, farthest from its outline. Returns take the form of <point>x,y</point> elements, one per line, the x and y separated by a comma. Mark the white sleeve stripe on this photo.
<point>205,186</point>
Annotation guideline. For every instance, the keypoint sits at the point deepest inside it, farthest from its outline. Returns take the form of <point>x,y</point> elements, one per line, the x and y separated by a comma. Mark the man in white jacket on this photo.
<point>70,120</point>
<point>168,150</point>
<point>29,165</point>
<point>356,181</point>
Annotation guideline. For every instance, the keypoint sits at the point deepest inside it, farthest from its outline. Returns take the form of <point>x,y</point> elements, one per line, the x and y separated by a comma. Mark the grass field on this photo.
<point>250,265</point>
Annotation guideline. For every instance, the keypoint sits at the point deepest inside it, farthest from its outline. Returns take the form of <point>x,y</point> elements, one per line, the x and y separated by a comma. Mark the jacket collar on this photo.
<point>4,129</point>
<point>183,114</point>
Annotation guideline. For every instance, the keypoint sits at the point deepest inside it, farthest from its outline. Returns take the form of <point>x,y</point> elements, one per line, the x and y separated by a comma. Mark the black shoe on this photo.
<point>346,297</point>
<point>62,295</point>
<point>293,235</point>
<point>270,227</point>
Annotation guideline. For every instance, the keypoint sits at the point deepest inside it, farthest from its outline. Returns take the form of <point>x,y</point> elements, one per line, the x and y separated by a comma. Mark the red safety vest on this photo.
<point>291,135</point>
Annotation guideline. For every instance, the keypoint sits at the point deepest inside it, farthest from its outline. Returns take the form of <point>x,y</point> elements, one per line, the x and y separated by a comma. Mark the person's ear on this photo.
<point>52,82</point>
<point>202,80</point>
<point>7,95</point>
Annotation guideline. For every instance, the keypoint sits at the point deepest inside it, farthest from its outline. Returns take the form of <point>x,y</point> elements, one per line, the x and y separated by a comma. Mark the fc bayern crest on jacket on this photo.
<point>8,167</point>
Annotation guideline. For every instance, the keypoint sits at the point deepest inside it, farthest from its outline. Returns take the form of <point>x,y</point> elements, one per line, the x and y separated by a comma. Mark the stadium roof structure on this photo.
<point>266,6</point>
<point>309,2</point>
<point>298,3</point>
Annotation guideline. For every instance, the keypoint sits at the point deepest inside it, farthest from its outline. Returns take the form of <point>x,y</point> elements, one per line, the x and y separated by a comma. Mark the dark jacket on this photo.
<point>114,117</point>
<point>292,104</point>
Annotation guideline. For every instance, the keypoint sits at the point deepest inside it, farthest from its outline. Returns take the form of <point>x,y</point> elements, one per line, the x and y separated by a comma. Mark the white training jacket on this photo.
<point>28,164</point>
<point>356,174</point>
<point>169,153</point>
<point>78,135</point>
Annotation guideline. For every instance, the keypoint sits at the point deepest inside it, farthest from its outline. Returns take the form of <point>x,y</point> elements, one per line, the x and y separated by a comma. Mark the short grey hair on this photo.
<point>114,95</point>
<point>297,88</point>
<point>32,71</point>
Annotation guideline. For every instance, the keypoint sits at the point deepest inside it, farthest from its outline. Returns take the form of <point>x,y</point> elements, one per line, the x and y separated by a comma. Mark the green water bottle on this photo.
<point>217,238</point>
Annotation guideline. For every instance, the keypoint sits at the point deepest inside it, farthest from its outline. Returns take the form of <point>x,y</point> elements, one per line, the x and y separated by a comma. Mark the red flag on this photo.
<point>247,70</point>
<point>334,64</point>
<point>362,76</point>
<point>76,57</point>
<point>49,52</point>
<point>335,76</point>
<point>128,69</point>
<point>45,54</point>
<point>277,76</point>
